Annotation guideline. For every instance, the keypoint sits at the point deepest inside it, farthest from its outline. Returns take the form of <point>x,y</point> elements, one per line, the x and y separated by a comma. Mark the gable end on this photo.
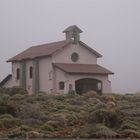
<point>90,49</point>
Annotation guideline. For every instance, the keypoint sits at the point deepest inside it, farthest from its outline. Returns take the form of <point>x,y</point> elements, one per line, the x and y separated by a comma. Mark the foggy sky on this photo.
<point>111,27</point>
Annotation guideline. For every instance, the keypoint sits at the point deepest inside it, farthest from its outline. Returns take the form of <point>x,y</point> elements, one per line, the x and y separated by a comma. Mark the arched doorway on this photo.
<point>87,84</point>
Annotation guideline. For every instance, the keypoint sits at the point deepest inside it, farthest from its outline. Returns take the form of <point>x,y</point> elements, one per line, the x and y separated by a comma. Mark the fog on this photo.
<point>111,27</point>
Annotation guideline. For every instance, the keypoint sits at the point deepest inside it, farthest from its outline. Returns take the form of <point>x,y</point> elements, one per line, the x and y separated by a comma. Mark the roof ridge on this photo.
<point>90,49</point>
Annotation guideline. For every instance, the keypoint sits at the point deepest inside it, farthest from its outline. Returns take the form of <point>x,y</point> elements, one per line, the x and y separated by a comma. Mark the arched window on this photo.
<point>61,85</point>
<point>18,73</point>
<point>31,72</point>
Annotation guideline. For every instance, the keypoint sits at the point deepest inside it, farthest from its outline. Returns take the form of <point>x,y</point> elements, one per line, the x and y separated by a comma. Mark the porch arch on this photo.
<point>86,84</point>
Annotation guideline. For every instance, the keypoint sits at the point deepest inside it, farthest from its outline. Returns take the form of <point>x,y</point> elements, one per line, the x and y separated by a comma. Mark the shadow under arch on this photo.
<point>87,84</point>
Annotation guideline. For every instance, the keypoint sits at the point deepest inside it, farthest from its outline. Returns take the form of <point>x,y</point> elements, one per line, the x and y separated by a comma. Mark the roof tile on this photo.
<point>82,68</point>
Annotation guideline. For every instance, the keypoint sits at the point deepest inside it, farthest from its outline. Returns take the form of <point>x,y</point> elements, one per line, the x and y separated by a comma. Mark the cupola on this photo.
<point>73,32</point>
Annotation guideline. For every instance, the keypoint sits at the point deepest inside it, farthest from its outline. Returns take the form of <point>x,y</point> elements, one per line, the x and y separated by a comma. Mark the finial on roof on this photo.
<point>73,32</point>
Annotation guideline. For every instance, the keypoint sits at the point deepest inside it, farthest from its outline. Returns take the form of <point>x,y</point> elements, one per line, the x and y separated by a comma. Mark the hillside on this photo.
<point>64,116</point>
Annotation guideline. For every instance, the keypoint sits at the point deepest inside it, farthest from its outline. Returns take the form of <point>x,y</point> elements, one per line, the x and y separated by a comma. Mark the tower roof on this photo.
<point>73,28</point>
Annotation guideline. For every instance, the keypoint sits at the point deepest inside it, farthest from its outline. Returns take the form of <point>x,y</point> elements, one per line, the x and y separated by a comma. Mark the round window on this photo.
<point>74,57</point>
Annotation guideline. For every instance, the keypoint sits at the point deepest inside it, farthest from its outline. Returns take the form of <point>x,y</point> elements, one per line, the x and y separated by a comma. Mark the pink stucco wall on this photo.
<point>49,77</point>
<point>64,56</point>
<point>45,74</point>
<point>29,64</point>
<point>70,79</point>
<point>15,82</point>
<point>85,57</point>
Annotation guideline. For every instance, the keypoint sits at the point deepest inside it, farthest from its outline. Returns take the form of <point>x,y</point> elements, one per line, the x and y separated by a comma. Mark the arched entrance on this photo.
<point>87,84</point>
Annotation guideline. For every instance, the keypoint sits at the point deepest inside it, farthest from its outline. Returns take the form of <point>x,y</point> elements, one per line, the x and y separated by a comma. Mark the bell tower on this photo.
<point>73,33</point>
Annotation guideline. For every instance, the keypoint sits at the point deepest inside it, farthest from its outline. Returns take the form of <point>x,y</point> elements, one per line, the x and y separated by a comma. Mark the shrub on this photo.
<point>32,122</point>
<point>60,107</point>
<point>39,97</point>
<point>18,97</point>
<point>99,105</point>
<point>75,101</point>
<point>106,117</point>
<point>71,95</point>
<point>85,131</point>
<point>87,116</point>
<point>59,118</point>
<point>60,97</point>
<point>25,128</point>
<point>34,134</point>
<point>6,123</point>
<point>127,124</point>
<point>130,133</point>
<point>7,116</point>
<point>15,90</point>
<point>4,97</point>
<point>91,94</point>
<point>103,131</point>
<point>109,98</point>
<point>17,133</point>
<point>32,111</point>
<point>73,108</point>
<point>50,126</point>
<point>8,107</point>
<point>72,119</point>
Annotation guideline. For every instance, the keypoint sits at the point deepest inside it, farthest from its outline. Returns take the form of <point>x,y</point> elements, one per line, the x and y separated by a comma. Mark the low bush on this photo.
<point>127,124</point>
<point>60,119</point>
<point>91,94</point>
<point>13,91</point>
<point>34,134</point>
<point>7,116</point>
<point>72,119</point>
<point>7,123</point>
<point>88,115</point>
<point>49,126</point>
<point>8,107</point>
<point>17,133</point>
<point>129,133</point>
<point>104,132</point>
<point>109,118</point>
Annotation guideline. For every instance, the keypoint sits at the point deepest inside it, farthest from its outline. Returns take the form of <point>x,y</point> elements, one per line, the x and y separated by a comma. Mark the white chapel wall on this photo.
<point>45,74</point>
<point>15,66</point>
<point>64,56</point>
<point>71,78</point>
<point>29,63</point>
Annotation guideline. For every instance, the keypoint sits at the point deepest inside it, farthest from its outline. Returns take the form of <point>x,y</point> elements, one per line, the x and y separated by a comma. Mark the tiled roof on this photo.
<point>82,68</point>
<point>40,50</point>
<point>46,50</point>
<point>73,28</point>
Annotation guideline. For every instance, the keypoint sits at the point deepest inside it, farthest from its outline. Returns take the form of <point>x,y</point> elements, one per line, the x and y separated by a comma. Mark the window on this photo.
<point>61,85</point>
<point>31,72</point>
<point>18,73</point>
<point>74,57</point>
